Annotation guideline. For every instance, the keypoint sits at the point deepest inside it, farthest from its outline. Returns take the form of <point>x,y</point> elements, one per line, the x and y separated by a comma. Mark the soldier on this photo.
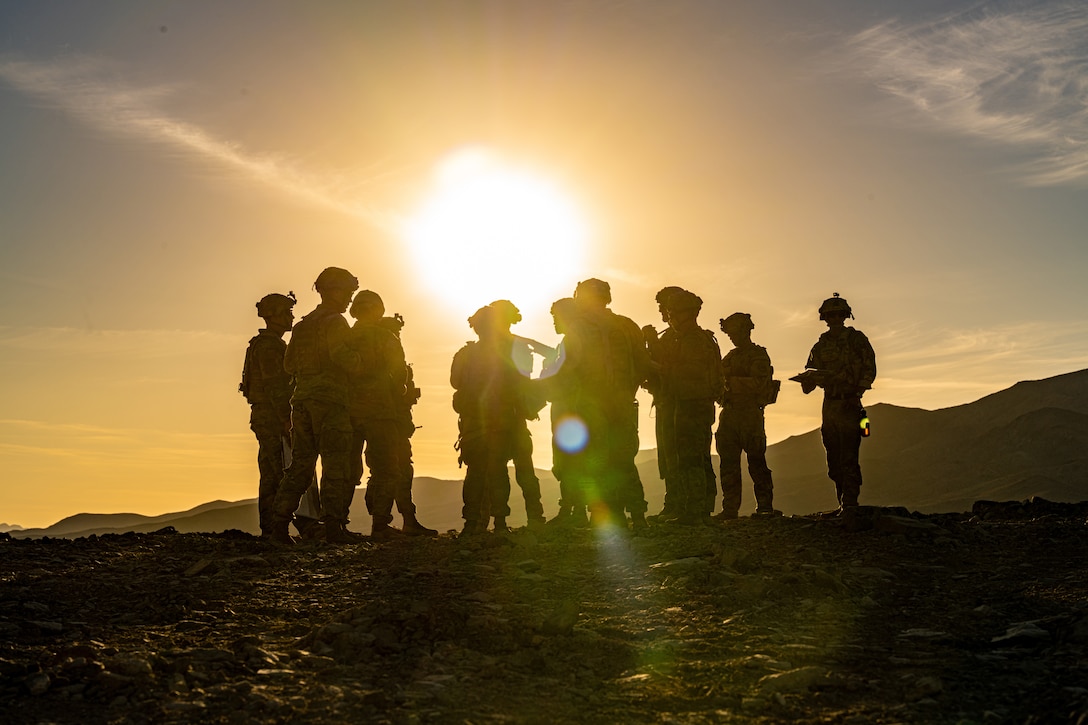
<point>748,387</point>
<point>686,382</point>
<point>320,358</point>
<point>615,366</point>
<point>521,351</point>
<point>405,429</point>
<point>488,395</point>
<point>666,457</point>
<point>267,388</point>
<point>375,391</point>
<point>843,363</point>
<point>562,385</point>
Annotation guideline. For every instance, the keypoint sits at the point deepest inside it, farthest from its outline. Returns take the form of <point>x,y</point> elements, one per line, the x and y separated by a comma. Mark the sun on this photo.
<point>489,229</point>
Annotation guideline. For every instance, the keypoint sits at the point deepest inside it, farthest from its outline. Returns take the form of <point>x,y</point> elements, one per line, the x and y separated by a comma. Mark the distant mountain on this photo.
<point>1028,440</point>
<point>10,527</point>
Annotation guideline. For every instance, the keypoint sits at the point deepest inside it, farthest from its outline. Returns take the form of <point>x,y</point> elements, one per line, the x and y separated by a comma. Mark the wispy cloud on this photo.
<point>1013,74</point>
<point>89,445</point>
<point>112,344</point>
<point>88,90</point>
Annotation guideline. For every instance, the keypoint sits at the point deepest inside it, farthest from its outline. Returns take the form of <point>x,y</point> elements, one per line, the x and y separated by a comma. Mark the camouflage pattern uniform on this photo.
<point>746,371</point>
<point>559,383</point>
<point>320,359</point>
<point>685,384</point>
<point>374,393</point>
<point>521,355</point>
<point>846,364</point>
<point>405,428</point>
<point>488,395</point>
<point>267,388</point>
<point>664,411</point>
<point>614,365</point>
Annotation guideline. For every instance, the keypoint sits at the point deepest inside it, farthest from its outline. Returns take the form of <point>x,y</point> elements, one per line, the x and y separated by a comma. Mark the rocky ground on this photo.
<point>878,617</point>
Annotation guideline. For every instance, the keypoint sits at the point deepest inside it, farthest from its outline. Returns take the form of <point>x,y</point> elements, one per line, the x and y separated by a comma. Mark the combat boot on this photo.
<point>764,510</point>
<point>472,528</point>
<point>500,525</point>
<point>278,532</point>
<point>336,532</point>
<point>638,521</point>
<point>564,517</point>
<point>385,532</point>
<point>412,527</point>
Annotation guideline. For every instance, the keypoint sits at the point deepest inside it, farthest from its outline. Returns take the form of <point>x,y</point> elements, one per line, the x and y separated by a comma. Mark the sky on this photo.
<point>163,165</point>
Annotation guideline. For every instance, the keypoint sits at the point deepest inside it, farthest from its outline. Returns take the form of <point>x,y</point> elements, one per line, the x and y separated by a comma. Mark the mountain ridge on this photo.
<point>1030,439</point>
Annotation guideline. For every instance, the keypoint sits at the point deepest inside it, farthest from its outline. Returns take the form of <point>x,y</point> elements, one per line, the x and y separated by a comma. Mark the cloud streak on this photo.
<point>90,445</point>
<point>54,342</point>
<point>84,90</point>
<point>1011,74</point>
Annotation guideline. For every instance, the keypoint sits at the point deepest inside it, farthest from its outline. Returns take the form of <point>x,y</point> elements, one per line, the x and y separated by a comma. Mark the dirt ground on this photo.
<point>879,617</point>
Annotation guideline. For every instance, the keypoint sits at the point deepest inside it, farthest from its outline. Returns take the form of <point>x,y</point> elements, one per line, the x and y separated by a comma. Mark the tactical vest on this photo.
<point>848,357</point>
<point>609,355</point>
<point>374,391</point>
<point>308,359</point>
<point>488,387</point>
<point>750,361</point>
<point>690,364</point>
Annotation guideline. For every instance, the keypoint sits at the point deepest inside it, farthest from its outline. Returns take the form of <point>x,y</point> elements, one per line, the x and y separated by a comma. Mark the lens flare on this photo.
<point>571,435</point>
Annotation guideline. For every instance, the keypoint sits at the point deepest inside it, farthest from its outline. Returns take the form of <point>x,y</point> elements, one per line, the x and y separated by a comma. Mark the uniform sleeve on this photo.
<point>268,360</point>
<point>642,363</point>
<point>714,357</point>
<point>458,369</point>
<point>290,363</point>
<point>866,362</point>
<point>813,362</point>
<point>761,364</point>
<point>396,364</point>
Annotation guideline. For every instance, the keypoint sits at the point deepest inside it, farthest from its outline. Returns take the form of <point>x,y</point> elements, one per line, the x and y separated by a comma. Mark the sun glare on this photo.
<point>490,230</point>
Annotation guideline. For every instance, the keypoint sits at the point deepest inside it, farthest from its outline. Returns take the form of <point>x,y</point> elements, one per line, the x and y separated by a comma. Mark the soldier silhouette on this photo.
<point>267,388</point>
<point>843,363</point>
<point>489,395</point>
<point>562,383</point>
<point>747,388</point>
<point>685,382</point>
<point>615,364</point>
<point>663,413</point>
<point>376,391</point>
<point>405,429</point>
<point>521,351</point>
<point>320,358</point>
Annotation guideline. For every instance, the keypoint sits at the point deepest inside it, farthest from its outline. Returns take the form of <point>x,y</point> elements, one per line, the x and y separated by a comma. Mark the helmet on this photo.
<point>335,278</point>
<point>737,321</point>
<point>507,311</point>
<point>275,303</point>
<point>681,299</point>
<point>366,298</point>
<point>663,295</point>
<point>593,288</point>
<point>565,308</point>
<point>835,304</point>
<point>482,319</point>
